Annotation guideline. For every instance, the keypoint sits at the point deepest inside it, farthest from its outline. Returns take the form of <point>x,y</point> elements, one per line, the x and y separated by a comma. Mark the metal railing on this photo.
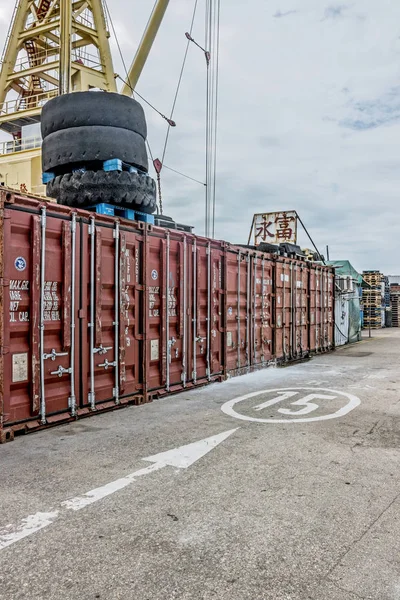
<point>12,146</point>
<point>37,101</point>
<point>53,55</point>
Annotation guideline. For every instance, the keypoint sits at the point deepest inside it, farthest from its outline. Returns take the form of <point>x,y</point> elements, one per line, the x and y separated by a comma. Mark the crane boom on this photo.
<point>145,45</point>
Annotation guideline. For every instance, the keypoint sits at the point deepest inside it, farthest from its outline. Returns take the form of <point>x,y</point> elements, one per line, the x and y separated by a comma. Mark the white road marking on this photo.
<point>351,403</point>
<point>283,396</point>
<point>31,524</point>
<point>306,402</point>
<point>181,458</point>
<point>108,489</point>
<point>185,456</point>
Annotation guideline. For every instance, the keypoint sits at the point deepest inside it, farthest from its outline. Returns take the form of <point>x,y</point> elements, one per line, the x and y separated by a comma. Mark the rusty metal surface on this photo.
<point>171,311</point>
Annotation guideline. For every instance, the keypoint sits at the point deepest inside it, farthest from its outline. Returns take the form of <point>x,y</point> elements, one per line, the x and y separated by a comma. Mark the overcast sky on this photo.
<point>309,117</point>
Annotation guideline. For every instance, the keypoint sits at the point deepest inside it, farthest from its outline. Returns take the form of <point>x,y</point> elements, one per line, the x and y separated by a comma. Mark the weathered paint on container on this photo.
<point>99,312</point>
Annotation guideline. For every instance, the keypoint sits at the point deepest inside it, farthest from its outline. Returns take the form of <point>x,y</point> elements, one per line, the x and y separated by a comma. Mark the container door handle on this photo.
<point>107,364</point>
<point>61,371</point>
<point>101,349</point>
<point>53,355</point>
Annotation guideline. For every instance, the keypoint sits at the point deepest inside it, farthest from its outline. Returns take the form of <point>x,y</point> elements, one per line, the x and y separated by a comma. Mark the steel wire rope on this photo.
<point>179,81</point>
<point>212,42</point>
<point>216,113</point>
<point>127,81</point>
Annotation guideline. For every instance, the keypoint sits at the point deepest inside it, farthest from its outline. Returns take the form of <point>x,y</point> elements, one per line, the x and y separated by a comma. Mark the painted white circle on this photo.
<point>20,263</point>
<point>154,274</point>
<point>230,311</point>
<point>351,403</point>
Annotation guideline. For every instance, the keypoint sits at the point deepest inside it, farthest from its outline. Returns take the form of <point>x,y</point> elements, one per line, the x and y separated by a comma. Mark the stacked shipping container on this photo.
<point>99,312</point>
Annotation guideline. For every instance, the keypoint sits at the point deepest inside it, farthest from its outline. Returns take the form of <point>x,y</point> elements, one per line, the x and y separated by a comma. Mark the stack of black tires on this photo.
<point>82,130</point>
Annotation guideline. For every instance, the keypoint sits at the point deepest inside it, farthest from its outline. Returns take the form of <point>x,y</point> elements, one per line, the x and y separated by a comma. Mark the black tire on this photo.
<point>88,188</point>
<point>82,109</point>
<point>80,145</point>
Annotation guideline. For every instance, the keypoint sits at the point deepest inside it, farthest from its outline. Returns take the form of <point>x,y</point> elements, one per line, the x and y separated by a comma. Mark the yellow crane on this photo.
<point>55,47</point>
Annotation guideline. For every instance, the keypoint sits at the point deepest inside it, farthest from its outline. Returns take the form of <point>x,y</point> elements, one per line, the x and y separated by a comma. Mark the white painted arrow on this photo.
<point>185,456</point>
<point>181,458</point>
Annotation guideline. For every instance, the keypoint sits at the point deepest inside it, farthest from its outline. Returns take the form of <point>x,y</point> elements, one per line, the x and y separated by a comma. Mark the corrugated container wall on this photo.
<point>99,312</point>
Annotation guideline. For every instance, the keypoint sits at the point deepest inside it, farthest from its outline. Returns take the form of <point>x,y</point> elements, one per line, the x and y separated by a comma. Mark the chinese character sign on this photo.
<point>275,228</point>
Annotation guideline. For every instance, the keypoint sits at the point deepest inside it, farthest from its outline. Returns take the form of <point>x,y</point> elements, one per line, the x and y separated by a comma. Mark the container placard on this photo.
<point>20,367</point>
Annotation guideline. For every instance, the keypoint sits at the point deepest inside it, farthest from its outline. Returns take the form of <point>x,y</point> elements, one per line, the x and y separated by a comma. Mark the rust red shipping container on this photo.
<point>98,312</point>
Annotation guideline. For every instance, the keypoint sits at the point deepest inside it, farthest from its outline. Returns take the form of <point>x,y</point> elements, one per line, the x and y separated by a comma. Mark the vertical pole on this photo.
<point>184,341</point>
<point>262,308</point>
<point>72,356</point>
<point>248,301</point>
<point>167,315</point>
<point>208,311</point>
<point>194,311</point>
<point>65,46</point>
<point>92,233</point>
<point>116,317</point>
<point>238,312</point>
<point>42,293</point>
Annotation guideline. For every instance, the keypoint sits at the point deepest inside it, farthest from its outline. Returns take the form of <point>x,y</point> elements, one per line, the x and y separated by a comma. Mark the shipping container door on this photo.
<point>41,362</point>
<point>208,301</point>
<point>238,298</point>
<point>304,310</point>
<point>111,307</point>
<point>216,332</point>
<point>202,302</point>
<point>261,314</point>
<point>155,309</point>
<point>175,274</point>
<point>312,307</point>
<point>284,308</point>
<point>168,265</point>
<point>300,285</point>
<point>319,326</point>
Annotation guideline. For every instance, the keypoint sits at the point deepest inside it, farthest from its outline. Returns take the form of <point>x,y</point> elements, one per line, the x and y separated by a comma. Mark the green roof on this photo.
<point>346,269</point>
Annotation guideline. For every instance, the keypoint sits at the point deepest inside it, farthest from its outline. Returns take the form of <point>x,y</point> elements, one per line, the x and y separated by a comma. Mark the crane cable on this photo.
<point>180,78</point>
<point>170,122</point>
<point>212,41</point>
<point>157,164</point>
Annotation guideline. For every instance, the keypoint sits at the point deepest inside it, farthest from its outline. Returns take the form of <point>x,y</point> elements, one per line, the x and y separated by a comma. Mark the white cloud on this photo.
<point>309,117</point>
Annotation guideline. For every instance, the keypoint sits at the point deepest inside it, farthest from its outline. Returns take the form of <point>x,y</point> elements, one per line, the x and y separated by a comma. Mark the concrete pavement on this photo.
<point>300,502</point>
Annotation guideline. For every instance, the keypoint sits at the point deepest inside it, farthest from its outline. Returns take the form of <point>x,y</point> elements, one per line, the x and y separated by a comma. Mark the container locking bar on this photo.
<point>102,349</point>
<point>106,364</point>
<point>92,233</point>
<point>61,371</point>
<point>115,364</point>
<point>41,324</point>
<point>53,355</point>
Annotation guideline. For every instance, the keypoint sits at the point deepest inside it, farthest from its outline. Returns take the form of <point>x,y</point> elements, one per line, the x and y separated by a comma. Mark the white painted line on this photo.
<point>182,458</point>
<point>31,524</point>
<point>106,490</point>
<point>351,403</point>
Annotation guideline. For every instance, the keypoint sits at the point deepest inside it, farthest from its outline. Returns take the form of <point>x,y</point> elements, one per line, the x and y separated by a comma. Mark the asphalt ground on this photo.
<point>294,495</point>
